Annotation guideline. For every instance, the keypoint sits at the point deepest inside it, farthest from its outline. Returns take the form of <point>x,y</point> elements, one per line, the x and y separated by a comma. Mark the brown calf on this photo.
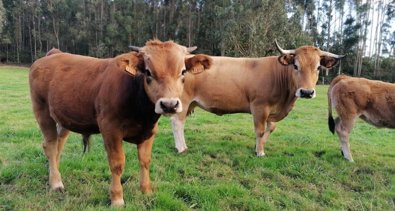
<point>373,101</point>
<point>109,96</point>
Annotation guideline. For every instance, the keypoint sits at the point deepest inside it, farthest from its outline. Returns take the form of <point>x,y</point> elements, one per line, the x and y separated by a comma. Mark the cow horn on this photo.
<point>324,53</point>
<point>282,51</point>
<point>190,49</point>
<point>135,48</point>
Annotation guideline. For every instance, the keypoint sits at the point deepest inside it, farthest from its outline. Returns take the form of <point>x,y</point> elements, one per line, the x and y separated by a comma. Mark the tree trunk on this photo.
<point>18,39</point>
<point>364,37</point>
<point>40,44</point>
<point>341,37</point>
<point>55,31</point>
<point>190,23</point>
<point>6,58</point>
<point>34,35</point>
<point>329,24</point>
<point>379,35</point>
<point>30,42</point>
<point>371,31</point>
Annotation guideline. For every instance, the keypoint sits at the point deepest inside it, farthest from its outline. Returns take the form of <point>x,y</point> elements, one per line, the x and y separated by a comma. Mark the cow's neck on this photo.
<point>136,102</point>
<point>286,84</point>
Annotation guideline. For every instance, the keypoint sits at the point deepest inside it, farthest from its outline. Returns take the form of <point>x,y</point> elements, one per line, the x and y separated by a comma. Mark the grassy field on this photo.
<point>303,169</point>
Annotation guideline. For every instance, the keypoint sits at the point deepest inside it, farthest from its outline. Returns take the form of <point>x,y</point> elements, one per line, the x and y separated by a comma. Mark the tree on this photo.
<point>2,16</point>
<point>104,28</point>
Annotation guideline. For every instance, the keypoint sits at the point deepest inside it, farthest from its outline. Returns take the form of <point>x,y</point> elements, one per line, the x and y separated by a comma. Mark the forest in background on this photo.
<point>360,29</point>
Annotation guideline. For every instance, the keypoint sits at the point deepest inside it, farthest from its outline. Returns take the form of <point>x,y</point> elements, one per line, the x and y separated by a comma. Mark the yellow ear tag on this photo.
<point>197,70</point>
<point>129,69</point>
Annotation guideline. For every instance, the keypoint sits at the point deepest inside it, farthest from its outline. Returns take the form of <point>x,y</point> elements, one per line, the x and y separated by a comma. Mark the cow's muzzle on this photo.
<point>168,106</point>
<point>306,93</point>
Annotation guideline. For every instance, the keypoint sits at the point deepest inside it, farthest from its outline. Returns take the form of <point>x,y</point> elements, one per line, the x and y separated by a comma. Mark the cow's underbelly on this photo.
<point>276,117</point>
<point>76,123</point>
<point>378,120</point>
<point>222,106</point>
<point>78,119</point>
<point>221,111</point>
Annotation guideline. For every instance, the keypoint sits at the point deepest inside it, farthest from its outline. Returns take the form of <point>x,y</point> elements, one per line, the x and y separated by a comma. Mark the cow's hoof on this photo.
<point>57,187</point>
<point>146,189</point>
<point>182,151</point>
<point>260,154</point>
<point>349,160</point>
<point>117,203</point>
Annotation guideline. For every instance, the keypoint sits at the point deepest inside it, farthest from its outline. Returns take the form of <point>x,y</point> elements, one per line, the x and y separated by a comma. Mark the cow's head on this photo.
<point>164,66</point>
<point>306,61</point>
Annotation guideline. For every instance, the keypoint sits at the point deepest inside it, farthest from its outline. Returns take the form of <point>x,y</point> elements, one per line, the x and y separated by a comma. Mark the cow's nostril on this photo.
<point>306,93</point>
<point>163,105</point>
<point>169,106</point>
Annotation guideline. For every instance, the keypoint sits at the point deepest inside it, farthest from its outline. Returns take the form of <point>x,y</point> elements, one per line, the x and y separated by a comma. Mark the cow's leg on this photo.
<point>50,144</point>
<point>144,154</point>
<point>262,129</point>
<point>116,160</point>
<point>343,129</point>
<point>261,138</point>
<point>178,123</point>
<point>62,137</point>
<point>273,126</point>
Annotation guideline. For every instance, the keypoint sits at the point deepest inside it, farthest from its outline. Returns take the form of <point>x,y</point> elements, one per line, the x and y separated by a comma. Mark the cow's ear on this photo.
<point>130,62</point>
<point>328,61</point>
<point>287,59</point>
<point>198,63</point>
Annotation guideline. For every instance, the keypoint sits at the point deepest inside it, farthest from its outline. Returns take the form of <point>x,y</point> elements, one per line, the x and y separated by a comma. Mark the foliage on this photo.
<point>362,30</point>
<point>303,169</point>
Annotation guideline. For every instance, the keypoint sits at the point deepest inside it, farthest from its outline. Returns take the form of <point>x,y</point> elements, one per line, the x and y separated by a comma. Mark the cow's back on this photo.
<point>68,86</point>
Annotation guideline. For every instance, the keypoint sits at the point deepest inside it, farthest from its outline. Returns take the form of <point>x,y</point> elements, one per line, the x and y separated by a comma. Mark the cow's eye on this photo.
<point>295,67</point>
<point>147,73</point>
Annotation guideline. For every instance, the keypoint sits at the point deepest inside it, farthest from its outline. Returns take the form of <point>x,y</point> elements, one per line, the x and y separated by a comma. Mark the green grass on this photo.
<point>303,169</point>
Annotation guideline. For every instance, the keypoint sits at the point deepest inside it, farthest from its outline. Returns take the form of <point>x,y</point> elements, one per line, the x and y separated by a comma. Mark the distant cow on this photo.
<point>109,96</point>
<point>373,101</point>
<point>266,87</point>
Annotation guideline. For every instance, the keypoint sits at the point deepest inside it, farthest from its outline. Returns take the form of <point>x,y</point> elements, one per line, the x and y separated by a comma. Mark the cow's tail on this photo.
<point>331,121</point>
<point>86,140</point>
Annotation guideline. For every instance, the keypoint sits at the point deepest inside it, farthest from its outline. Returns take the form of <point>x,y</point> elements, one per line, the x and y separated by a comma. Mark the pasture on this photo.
<point>303,168</point>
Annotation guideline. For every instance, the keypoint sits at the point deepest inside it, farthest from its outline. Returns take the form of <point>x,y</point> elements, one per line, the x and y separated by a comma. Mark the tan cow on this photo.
<point>373,101</point>
<point>121,98</point>
<point>266,87</point>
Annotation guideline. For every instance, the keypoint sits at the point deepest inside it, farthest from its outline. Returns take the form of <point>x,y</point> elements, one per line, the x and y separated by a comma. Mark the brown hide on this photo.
<point>79,90</point>
<point>89,95</point>
<point>373,101</point>
<point>266,87</point>
<point>229,88</point>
